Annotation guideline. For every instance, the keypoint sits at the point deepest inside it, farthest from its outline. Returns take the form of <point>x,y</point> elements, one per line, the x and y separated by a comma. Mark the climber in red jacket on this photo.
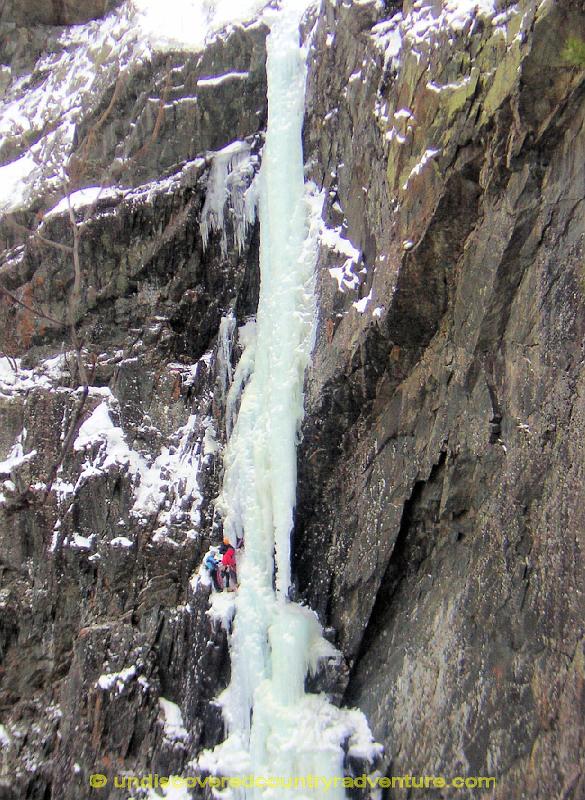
<point>228,565</point>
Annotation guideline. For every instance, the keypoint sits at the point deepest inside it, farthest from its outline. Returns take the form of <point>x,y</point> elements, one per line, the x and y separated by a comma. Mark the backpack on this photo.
<point>210,563</point>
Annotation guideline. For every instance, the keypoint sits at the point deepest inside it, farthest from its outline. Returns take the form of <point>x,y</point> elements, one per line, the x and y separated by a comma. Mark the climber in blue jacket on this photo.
<point>211,563</point>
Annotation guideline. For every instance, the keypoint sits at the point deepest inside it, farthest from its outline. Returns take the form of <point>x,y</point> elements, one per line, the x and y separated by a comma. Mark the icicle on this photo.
<point>225,336</point>
<point>230,183</point>
<point>247,339</point>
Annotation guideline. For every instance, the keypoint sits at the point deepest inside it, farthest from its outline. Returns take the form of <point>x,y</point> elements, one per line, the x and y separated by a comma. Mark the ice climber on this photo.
<point>228,566</point>
<point>212,563</point>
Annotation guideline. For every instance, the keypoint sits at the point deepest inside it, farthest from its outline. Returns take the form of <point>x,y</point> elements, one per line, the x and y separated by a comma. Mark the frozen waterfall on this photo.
<point>274,729</point>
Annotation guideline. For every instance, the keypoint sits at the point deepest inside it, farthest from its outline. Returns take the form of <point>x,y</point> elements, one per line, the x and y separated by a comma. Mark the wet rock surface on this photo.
<point>439,529</point>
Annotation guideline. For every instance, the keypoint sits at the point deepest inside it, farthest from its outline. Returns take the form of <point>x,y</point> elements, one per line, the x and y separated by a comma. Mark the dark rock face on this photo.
<point>439,529</point>
<point>171,112</point>
<point>54,12</point>
<point>88,587</point>
<point>440,517</point>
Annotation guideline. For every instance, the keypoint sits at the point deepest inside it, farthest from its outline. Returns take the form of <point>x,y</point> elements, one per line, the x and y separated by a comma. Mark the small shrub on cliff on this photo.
<point>574,52</point>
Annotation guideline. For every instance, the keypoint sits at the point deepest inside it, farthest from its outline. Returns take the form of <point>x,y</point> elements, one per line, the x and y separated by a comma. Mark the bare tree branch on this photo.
<point>158,121</point>
<point>72,431</point>
<point>75,172</point>
<point>77,163</point>
<point>36,235</point>
<point>35,311</point>
<point>75,294</point>
<point>11,361</point>
<point>74,426</point>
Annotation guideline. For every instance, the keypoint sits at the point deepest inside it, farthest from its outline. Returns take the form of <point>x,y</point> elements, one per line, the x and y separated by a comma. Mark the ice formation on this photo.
<point>230,183</point>
<point>274,728</point>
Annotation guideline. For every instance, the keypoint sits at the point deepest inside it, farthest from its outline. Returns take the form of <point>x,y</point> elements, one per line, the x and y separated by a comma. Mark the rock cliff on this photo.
<point>440,516</point>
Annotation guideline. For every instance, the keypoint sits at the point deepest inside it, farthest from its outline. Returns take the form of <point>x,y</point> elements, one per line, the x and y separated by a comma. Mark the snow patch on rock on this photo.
<point>99,430</point>
<point>116,680</point>
<point>16,457</point>
<point>173,726</point>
